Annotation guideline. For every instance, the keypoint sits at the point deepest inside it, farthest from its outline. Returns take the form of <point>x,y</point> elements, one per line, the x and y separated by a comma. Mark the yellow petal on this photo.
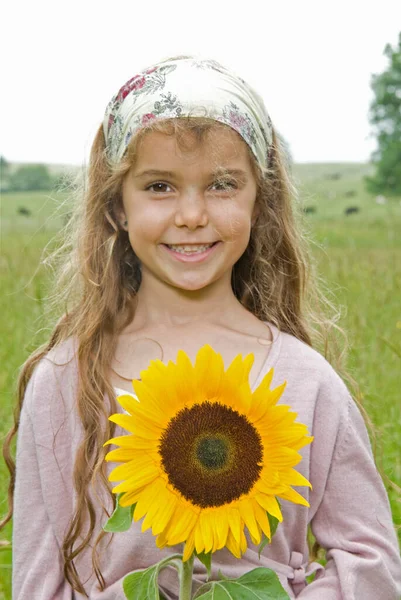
<point>292,477</point>
<point>282,457</point>
<point>199,543</point>
<point>130,498</point>
<point>130,441</point>
<point>181,524</point>
<point>133,468</point>
<point>221,528</point>
<point>153,509</point>
<point>256,540</point>
<point>137,481</point>
<point>146,497</point>
<point>233,546</point>
<point>165,513</point>
<point>206,525</point>
<point>209,370</point>
<point>243,542</point>
<point>262,519</point>
<point>234,521</point>
<point>125,421</point>
<point>293,496</point>
<point>123,455</point>
<point>128,402</point>
<point>189,547</point>
<point>248,516</point>
<point>270,504</point>
<point>263,398</point>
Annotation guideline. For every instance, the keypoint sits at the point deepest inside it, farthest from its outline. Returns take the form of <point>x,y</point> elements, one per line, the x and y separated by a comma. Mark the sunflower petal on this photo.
<point>128,402</point>
<point>133,468</point>
<point>199,543</point>
<point>165,513</point>
<point>293,496</point>
<point>145,498</point>
<point>293,477</point>
<point>234,521</point>
<point>181,524</point>
<point>122,455</point>
<point>138,480</point>
<point>129,441</point>
<point>125,421</point>
<point>221,528</point>
<point>262,520</point>
<point>209,371</point>
<point>233,546</point>
<point>270,504</point>
<point>189,547</point>
<point>206,525</point>
<point>247,513</point>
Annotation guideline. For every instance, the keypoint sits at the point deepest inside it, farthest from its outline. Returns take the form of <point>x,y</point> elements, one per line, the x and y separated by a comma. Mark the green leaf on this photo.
<point>258,584</point>
<point>121,519</point>
<point>273,522</point>
<point>143,584</point>
<point>206,560</point>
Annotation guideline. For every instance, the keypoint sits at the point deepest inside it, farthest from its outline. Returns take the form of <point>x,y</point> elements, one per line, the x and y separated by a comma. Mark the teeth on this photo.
<point>189,249</point>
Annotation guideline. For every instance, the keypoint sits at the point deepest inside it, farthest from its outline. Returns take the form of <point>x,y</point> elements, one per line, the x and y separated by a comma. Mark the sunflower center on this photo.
<point>211,454</point>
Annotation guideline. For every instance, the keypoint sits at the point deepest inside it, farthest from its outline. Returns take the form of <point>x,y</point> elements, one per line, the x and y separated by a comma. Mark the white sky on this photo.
<point>310,60</point>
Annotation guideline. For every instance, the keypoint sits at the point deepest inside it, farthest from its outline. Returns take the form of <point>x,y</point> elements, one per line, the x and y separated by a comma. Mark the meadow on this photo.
<point>357,255</point>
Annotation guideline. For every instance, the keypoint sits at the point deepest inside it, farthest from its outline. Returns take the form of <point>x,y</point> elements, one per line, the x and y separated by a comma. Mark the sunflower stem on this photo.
<point>186,579</point>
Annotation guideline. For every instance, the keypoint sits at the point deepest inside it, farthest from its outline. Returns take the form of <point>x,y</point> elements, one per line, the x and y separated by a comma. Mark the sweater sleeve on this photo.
<point>354,523</point>
<point>37,561</point>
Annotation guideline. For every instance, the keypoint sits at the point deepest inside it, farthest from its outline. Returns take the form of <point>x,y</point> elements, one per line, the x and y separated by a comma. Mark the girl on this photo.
<point>186,236</point>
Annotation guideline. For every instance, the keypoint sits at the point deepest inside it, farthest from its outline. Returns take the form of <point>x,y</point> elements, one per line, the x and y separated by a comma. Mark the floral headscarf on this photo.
<point>186,87</point>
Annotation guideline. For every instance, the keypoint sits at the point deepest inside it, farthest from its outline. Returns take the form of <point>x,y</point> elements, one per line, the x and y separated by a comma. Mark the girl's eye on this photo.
<point>159,187</point>
<point>224,185</point>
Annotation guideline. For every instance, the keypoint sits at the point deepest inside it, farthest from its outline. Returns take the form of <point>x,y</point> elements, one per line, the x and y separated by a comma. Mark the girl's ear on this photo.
<point>122,219</point>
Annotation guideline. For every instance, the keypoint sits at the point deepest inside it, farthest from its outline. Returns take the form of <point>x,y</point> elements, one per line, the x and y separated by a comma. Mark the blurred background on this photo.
<point>330,75</point>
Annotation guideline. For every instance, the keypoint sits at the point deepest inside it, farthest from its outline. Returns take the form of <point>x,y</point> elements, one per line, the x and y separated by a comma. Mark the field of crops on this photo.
<point>358,255</point>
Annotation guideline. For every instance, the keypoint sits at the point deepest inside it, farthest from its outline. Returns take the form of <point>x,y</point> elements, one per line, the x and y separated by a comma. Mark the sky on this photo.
<point>311,61</point>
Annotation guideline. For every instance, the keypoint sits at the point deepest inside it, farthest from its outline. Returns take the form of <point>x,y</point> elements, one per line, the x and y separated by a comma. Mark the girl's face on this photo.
<point>190,211</point>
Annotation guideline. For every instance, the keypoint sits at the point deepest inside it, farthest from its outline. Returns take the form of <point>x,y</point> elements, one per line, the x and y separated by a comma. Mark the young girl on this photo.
<point>186,236</point>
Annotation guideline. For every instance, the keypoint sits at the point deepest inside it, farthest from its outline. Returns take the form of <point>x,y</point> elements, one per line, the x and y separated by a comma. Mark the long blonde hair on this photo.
<point>98,278</point>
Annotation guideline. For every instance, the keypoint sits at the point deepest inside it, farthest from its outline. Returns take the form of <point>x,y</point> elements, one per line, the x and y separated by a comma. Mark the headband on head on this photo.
<point>187,87</point>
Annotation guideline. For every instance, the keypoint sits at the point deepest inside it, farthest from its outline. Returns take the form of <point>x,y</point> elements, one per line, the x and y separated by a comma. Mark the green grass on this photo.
<point>358,255</point>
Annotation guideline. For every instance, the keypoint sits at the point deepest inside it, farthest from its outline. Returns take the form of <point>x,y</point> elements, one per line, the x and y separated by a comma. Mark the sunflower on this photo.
<point>206,457</point>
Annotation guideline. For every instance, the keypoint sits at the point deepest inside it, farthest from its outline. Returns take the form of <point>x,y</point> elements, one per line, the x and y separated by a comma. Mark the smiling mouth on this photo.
<point>189,249</point>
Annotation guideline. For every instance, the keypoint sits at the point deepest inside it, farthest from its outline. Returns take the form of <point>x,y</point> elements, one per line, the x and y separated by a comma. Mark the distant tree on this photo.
<point>385,116</point>
<point>3,165</point>
<point>4,174</point>
<point>31,177</point>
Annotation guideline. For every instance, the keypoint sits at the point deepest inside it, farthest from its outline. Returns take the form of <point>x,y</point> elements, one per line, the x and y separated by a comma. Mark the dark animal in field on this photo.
<point>24,211</point>
<point>309,209</point>
<point>351,210</point>
<point>350,193</point>
<point>333,176</point>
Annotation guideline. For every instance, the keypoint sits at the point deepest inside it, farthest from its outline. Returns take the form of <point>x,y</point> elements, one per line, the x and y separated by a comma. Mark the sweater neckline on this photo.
<point>270,361</point>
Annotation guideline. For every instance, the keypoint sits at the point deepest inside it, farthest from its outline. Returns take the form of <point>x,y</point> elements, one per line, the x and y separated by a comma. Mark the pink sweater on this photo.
<point>349,509</point>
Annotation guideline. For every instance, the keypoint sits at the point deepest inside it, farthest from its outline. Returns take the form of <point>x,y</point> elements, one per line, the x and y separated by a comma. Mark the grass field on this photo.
<point>358,255</point>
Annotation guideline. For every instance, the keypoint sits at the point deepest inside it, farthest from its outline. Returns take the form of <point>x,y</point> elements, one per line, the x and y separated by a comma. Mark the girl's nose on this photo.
<point>191,210</point>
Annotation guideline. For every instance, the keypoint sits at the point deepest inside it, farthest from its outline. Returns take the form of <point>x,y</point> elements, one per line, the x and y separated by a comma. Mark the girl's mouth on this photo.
<point>191,253</point>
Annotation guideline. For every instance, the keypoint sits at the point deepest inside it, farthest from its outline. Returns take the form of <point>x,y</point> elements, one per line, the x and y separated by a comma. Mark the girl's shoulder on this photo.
<point>310,375</point>
<point>55,375</point>
<point>302,359</point>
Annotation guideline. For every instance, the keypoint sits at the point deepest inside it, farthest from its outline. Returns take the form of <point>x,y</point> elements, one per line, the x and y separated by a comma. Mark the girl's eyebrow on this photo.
<point>218,173</point>
<point>154,173</point>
